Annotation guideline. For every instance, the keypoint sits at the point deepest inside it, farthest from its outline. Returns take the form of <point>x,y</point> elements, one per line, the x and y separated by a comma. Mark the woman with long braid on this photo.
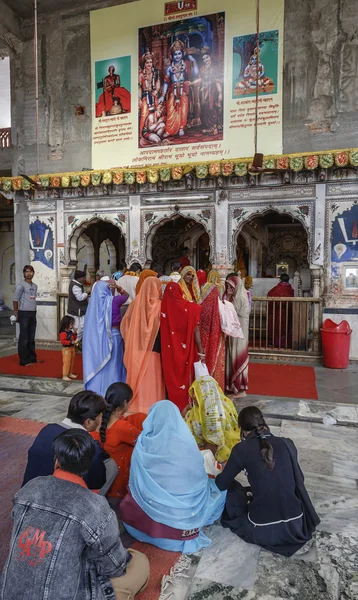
<point>118,434</point>
<point>276,512</point>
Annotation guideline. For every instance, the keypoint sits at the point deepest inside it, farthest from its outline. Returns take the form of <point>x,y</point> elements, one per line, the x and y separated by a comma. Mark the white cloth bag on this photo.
<point>200,370</point>
<point>229,321</point>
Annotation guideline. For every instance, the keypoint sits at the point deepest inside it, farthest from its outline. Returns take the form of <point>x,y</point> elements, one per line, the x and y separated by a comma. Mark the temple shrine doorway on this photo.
<point>269,245</point>
<point>172,237</point>
<point>100,245</point>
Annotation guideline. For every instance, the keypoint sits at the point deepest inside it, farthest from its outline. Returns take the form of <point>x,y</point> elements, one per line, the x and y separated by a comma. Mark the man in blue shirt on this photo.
<point>84,412</point>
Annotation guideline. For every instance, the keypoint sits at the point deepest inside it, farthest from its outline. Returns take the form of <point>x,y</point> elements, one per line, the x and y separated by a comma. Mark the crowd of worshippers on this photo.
<point>162,476</point>
<point>154,444</point>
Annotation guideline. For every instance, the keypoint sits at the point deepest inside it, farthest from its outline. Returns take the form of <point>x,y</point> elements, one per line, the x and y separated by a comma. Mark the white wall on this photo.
<point>5,118</point>
<point>7,258</point>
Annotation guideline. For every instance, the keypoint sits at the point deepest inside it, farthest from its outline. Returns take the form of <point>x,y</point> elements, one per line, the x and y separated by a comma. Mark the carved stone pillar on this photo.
<point>65,273</point>
<point>316,308</point>
<point>92,273</point>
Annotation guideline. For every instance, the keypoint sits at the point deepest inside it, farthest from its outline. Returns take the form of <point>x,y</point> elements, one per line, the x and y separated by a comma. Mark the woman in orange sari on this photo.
<point>212,338</point>
<point>118,434</point>
<point>140,331</point>
<point>142,277</point>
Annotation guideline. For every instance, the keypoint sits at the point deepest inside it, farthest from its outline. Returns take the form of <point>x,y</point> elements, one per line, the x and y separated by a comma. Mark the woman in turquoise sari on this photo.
<point>171,498</point>
<point>102,346</point>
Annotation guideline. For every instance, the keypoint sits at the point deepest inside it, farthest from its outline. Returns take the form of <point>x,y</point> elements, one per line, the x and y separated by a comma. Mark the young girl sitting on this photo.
<point>68,339</point>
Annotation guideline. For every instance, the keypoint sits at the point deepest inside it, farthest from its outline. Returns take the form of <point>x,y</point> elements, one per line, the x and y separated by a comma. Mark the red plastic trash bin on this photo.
<point>336,340</point>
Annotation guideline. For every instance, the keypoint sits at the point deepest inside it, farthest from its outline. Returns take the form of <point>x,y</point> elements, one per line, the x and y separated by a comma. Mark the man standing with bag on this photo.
<point>24,302</point>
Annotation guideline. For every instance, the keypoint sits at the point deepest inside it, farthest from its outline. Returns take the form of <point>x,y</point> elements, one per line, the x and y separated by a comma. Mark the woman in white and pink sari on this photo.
<point>237,349</point>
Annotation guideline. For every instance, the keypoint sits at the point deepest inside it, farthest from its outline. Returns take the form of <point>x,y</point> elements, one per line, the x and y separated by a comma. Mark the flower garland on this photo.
<point>236,167</point>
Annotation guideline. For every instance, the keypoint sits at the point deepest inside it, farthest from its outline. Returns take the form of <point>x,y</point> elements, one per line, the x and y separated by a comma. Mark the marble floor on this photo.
<point>328,454</point>
<point>231,569</point>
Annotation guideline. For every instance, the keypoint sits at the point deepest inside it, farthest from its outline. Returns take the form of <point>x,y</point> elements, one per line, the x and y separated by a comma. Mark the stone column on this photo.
<point>318,249</point>
<point>315,321</point>
<point>133,241</point>
<point>21,235</point>
<point>221,258</point>
<point>65,273</point>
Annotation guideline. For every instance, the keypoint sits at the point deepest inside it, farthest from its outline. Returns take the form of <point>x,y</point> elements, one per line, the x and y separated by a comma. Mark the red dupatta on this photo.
<point>212,338</point>
<point>179,319</point>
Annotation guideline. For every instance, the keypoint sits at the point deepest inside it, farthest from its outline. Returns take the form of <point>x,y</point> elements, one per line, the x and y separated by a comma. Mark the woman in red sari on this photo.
<point>180,341</point>
<point>212,338</point>
<point>237,349</point>
<point>118,434</point>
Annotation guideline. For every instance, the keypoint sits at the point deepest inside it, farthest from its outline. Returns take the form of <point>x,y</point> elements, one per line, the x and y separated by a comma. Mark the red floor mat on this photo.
<point>287,381</point>
<point>16,436</point>
<point>50,367</point>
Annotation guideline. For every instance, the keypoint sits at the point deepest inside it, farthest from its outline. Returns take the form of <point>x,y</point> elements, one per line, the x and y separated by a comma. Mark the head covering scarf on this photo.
<point>195,285</point>
<point>129,284</point>
<point>202,277</point>
<point>213,417</point>
<point>97,332</point>
<point>139,328</point>
<point>167,478</point>
<point>212,338</point>
<point>175,276</point>
<point>239,299</point>
<point>179,319</point>
<point>214,277</point>
<point>142,277</point>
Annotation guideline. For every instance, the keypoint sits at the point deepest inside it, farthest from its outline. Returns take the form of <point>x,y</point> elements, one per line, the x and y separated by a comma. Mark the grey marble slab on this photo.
<point>319,461</point>
<point>346,467</point>
<point>330,484</point>
<point>343,413</point>
<point>229,560</point>
<point>49,386</point>
<point>338,514</point>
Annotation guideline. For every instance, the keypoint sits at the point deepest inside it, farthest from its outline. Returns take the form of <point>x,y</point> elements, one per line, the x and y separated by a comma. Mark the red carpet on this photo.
<point>282,380</point>
<point>16,436</point>
<point>50,367</point>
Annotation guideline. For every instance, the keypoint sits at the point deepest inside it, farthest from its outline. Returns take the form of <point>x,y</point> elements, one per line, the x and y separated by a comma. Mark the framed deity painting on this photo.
<point>351,278</point>
<point>281,268</point>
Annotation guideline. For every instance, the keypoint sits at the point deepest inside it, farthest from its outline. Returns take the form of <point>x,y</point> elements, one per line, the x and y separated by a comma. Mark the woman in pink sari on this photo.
<point>212,338</point>
<point>237,349</point>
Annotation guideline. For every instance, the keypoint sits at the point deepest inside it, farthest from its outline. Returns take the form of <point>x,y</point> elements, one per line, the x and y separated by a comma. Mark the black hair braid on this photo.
<point>266,448</point>
<point>105,418</point>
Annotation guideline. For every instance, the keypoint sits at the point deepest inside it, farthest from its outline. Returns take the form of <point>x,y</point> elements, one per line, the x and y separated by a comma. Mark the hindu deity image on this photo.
<point>254,73</point>
<point>114,99</point>
<point>181,81</point>
<point>153,130</point>
<point>149,87</point>
<point>210,94</point>
<point>176,87</point>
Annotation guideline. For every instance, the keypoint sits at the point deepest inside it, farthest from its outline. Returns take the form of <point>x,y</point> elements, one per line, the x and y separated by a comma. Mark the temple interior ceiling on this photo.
<point>25,8</point>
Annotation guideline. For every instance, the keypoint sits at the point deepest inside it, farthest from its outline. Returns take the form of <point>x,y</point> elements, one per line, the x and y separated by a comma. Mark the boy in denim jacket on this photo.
<point>65,542</point>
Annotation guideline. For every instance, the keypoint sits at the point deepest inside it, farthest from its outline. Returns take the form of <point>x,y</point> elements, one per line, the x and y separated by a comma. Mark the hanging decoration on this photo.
<point>227,168</point>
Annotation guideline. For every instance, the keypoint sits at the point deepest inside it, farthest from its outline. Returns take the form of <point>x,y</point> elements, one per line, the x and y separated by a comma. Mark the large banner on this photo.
<point>175,82</point>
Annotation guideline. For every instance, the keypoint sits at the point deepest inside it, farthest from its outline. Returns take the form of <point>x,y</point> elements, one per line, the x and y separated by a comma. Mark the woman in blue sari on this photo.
<point>102,347</point>
<point>171,498</point>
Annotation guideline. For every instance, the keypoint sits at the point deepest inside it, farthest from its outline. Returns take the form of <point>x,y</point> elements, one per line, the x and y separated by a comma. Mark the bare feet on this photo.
<point>65,378</point>
<point>73,376</point>
<point>239,395</point>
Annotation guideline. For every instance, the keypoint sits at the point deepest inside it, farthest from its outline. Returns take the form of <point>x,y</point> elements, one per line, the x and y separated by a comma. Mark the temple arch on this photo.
<point>166,238</point>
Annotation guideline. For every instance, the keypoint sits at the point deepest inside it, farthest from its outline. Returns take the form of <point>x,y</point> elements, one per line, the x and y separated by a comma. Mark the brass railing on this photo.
<point>5,137</point>
<point>285,325</point>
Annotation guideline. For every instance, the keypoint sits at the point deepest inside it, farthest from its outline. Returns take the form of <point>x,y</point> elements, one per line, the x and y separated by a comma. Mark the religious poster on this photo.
<point>344,235</point>
<point>183,86</point>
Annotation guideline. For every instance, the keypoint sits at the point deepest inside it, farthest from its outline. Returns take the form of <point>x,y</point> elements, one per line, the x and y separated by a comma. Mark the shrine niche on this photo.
<point>172,237</point>
<point>271,244</point>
